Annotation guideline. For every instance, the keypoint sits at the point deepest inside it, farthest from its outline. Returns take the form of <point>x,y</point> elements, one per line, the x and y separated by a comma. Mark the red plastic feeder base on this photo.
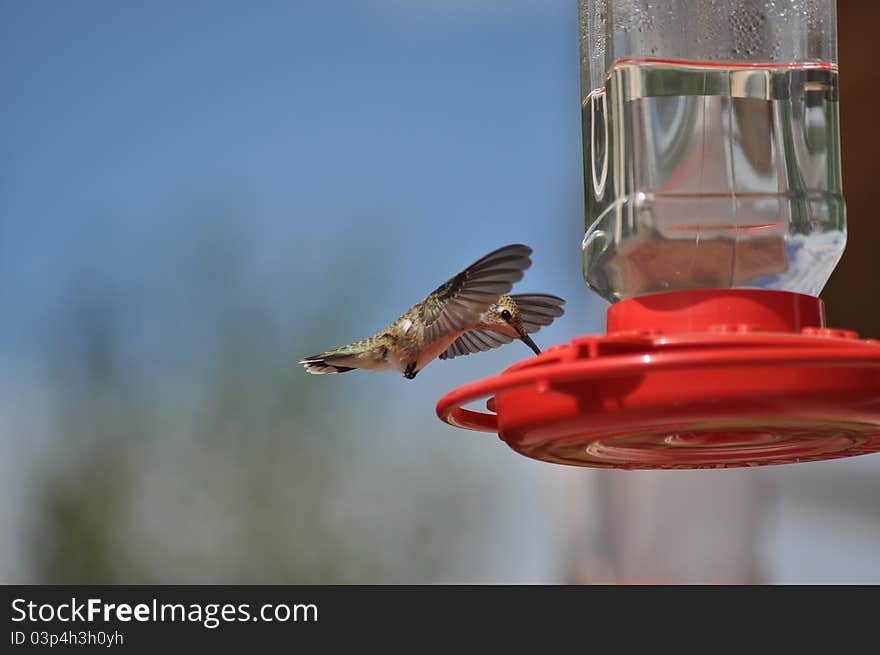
<point>689,379</point>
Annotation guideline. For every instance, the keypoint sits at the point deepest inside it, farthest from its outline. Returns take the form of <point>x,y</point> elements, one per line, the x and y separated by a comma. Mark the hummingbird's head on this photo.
<point>504,316</point>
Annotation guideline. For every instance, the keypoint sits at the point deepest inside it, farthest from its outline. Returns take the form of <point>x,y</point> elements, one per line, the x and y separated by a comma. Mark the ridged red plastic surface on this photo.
<point>698,379</point>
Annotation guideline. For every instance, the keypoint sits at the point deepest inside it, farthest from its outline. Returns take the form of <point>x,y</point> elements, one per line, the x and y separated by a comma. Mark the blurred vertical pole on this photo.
<point>658,527</point>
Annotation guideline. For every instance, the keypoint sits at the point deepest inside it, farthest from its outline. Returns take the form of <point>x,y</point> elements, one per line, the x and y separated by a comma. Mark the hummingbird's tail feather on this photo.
<point>320,367</point>
<point>368,354</point>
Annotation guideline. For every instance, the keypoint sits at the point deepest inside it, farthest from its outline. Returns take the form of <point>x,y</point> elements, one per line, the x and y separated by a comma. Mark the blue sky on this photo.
<point>417,134</point>
<point>310,169</point>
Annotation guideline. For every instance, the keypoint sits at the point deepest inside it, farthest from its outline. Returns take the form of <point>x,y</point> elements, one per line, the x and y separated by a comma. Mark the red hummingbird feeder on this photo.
<point>714,217</point>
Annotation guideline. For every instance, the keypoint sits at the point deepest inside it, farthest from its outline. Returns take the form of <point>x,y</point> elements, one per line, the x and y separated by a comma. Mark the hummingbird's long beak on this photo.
<point>528,340</point>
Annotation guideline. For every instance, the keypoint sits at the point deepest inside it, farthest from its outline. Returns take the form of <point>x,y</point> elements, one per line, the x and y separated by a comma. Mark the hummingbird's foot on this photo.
<point>410,371</point>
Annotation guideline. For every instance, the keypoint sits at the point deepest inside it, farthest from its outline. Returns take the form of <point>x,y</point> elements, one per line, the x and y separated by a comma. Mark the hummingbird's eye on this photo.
<point>505,315</point>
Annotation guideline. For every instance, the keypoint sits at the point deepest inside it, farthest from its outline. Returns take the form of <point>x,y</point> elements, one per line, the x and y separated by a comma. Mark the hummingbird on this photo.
<point>468,313</point>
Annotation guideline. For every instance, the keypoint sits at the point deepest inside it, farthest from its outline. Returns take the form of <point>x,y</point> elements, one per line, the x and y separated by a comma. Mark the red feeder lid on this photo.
<point>689,379</point>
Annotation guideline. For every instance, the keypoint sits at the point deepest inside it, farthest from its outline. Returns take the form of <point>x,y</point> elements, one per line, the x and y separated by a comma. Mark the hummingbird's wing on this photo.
<point>535,310</point>
<point>458,303</point>
<point>474,341</point>
<point>538,309</point>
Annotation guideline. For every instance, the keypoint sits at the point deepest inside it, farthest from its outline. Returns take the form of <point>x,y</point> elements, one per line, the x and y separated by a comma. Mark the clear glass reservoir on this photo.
<point>711,145</point>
